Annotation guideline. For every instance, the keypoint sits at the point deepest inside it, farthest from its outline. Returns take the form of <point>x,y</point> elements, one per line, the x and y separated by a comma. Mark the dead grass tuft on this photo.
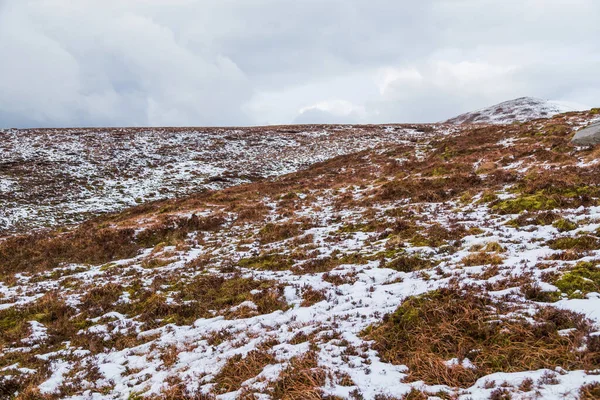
<point>482,258</point>
<point>239,369</point>
<point>275,232</point>
<point>590,391</point>
<point>301,380</point>
<point>312,296</point>
<point>428,330</point>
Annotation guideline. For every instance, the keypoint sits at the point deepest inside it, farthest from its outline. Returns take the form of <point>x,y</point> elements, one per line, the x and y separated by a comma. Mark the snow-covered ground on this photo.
<point>302,267</point>
<point>57,176</point>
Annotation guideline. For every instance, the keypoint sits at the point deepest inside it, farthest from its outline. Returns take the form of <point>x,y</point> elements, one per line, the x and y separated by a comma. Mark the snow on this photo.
<point>590,306</point>
<point>334,323</point>
<point>350,308</point>
<point>517,110</point>
<point>63,176</point>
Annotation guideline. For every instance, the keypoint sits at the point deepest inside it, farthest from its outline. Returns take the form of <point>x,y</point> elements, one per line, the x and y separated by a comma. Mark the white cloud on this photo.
<point>397,77</point>
<point>122,68</point>
<point>332,111</point>
<point>232,62</point>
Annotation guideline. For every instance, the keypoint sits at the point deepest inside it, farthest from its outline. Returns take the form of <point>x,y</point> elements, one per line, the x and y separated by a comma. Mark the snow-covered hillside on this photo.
<point>460,264</point>
<point>50,177</point>
<point>517,110</point>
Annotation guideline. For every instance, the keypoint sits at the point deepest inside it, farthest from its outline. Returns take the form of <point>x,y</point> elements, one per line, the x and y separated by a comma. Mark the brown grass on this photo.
<point>449,323</point>
<point>482,258</point>
<point>270,232</point>
<point>239,369</point>
<point>590,391</point>
<point>92,243</point>
<point>407,263</point>
<point>311,296</point>
<point>50,310</point>
<point>301,380</point>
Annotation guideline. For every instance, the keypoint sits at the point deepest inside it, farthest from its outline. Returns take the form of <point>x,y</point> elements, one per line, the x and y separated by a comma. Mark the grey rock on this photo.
<point>588,136</point>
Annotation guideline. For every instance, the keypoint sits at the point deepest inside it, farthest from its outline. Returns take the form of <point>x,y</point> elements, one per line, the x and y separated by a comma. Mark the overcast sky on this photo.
<point>254,62</point>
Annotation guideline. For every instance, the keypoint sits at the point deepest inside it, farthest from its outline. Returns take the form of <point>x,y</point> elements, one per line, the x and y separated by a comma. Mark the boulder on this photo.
<point>588,136</point>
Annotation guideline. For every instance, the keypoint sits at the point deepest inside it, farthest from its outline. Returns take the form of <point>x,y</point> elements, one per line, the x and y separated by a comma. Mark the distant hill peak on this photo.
<point>517,110</point>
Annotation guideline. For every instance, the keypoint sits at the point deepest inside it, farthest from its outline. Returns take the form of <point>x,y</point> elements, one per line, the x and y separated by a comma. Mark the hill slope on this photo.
<point>49,177</point>
<point>457,265</point>
<point>517,110</point>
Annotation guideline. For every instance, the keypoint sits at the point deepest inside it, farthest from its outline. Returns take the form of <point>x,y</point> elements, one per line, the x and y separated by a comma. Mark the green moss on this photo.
<point>352,258</point>
<point>542,218</point>
<point>557,129</point>
<point>135,396</point>
<point>201,297</point>
<point>487,197</point>
<point>580,243</point>
<point>272,262</point>
<point>419,240</point>
<point>387,254</point>
<point>466,198</point>
<point>108,266</point>
<point>548,199</point>
<point>58,273</point>
<point>351,228</point>
<point>49,310</point>
<point>534,292</point>
<point>439,171</point>
<point>448,153</point>
<point>535,202</point>
<point>565,225</point>
<point>482,258</point>
<point>582,279</point>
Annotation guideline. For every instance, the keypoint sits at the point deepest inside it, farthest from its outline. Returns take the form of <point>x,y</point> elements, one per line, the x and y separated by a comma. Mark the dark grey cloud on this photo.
<point>234,62</point>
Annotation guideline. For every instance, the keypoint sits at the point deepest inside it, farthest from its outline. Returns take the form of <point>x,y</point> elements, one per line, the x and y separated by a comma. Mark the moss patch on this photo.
<point>534,202</point>
<point>273,262</point>
<point>548,199</point>
<point>579,243</point>
<point>582,279</point>
<point>565,225</point>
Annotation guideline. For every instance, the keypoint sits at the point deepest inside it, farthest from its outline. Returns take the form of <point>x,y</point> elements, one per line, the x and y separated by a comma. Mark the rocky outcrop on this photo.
<point>588,136</point>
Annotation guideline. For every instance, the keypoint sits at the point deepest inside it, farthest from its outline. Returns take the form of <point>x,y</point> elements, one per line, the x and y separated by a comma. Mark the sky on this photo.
<point>66,63</point>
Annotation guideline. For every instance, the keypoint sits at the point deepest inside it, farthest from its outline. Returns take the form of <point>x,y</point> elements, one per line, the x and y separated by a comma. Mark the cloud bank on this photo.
<point>234,62</point>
